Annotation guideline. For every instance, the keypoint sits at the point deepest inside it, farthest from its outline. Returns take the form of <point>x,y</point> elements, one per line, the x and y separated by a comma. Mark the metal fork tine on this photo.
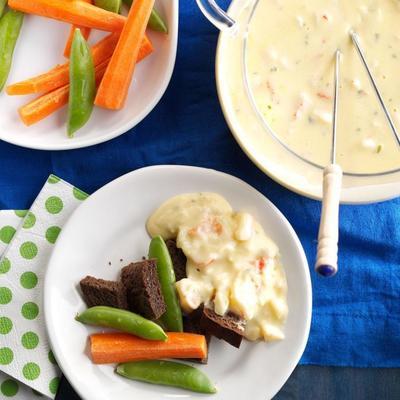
<point>354,38</point>
<point>335,105</point>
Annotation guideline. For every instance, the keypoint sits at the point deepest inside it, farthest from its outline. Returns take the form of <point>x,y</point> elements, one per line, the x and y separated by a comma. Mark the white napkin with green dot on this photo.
<point>26,243</point>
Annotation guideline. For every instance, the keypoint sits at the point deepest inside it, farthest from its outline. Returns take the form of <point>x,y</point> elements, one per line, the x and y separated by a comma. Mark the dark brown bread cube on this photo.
<point>229,327</point>
<point>178,259</point>
<point>191,324</point>
<point>99,292</point>
<point>143,289</point>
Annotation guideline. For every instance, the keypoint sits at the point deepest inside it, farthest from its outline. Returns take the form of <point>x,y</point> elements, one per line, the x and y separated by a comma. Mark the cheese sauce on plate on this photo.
<point>231,264</point>
<point>289,68</point>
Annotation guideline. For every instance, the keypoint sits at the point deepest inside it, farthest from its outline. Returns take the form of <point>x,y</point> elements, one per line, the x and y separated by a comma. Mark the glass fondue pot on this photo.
<point>270,151</point>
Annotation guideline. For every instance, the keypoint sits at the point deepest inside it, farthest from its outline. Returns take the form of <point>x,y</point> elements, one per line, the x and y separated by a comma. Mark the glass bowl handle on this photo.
<point>215,14</point>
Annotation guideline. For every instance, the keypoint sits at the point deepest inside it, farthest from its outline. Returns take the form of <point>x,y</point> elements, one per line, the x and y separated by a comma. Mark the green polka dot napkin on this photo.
<point>26,242</point>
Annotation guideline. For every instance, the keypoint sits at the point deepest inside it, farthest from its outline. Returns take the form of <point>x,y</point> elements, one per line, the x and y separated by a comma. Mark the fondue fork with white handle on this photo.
<point>327,252</point>
<point>328,235</point>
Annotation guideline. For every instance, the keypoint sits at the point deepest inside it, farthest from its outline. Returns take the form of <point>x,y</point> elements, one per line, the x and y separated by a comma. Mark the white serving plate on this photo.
<point>110,226</point>
<point>40,48</point>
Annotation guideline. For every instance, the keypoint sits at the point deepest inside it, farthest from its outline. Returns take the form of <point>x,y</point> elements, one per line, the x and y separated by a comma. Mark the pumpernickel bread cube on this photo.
<point>191,324</point>
<point>229,327</point>
<point>143,289</point>
<point>178,259</point>
<point>99,292</point>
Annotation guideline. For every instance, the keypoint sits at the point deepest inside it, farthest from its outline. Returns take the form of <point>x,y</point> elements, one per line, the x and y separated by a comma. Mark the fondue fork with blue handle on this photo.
<point>328,235</point>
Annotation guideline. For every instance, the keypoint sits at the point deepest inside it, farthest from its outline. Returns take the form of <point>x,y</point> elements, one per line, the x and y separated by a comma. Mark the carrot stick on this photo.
<point>59,76</point>
<point>85,33</point>
<point>114,87</point>
<point>106,348</point>
<point>47,104</point>
<point>43,106</point>
<point>75,12</point>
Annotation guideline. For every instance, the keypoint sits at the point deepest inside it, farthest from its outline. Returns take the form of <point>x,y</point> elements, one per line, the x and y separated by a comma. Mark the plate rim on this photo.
<point>112,134</point>
<point>303,262</point>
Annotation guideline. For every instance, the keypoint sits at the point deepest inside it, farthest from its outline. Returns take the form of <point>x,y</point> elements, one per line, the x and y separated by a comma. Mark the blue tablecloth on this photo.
<point>356,315</point>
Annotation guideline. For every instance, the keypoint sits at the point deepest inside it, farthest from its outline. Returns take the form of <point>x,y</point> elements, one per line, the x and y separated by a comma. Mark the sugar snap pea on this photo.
<point>172,318</point>
<point>167,373</point>
<point>109,5</point>
<point>2,6</point>
<point>156,22</point>
<point>10,27</point>
<point>82,84</point>
<point>122,320</point>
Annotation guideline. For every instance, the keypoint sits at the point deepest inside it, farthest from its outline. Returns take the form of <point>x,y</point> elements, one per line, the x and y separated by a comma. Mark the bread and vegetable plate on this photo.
<point>99,75</point>
<point>210,271</point>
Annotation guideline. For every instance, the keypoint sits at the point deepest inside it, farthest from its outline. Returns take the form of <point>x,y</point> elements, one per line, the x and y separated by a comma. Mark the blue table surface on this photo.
<point>356,320</point>
<point>325,383</point>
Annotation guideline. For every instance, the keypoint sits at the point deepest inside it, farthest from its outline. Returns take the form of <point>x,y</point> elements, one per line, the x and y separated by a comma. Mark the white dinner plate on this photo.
<point>40,47</point>
<point>110,226</point>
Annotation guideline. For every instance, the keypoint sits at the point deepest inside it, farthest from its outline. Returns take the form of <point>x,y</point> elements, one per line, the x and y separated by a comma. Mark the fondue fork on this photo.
<point>356,42</point>
<point>328,235</point>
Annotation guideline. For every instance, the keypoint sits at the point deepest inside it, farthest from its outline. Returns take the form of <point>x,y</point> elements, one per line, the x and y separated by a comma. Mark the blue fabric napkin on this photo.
<point>356,320</point>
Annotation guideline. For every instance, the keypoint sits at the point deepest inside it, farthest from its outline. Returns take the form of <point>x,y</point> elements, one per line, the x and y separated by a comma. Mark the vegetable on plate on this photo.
<point>156,22</point>
<point>82,86</point>
<point>47,104</point>
<point>113,90</point>
<point>108,348</point>
<point>122,320</point>
<point>3,4</point>
<point>59,75</point>
<point>10,27</point>
<point>85,33</point>
<point>172,318</point>
<point>73,12</point>
<point>167,373</point>
<point>109,5</point>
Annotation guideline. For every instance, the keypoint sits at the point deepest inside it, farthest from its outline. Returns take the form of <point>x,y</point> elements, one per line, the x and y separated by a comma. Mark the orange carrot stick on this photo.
<point>114,87</point>
<point>43,106</point>
<point>106,348</point>
<point>75,12</point>
<point>85,33</point>
<point>59,76</point>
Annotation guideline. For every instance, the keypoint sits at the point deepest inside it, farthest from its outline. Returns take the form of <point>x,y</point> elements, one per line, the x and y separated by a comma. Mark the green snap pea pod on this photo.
<point>109,5</point>
<point>2,6</point>
<point>156,22</point>
<point>167,373</point>
<point>172,318</point>
<point>82,84</point>
<point>10,26</point>
<point>122,320</point>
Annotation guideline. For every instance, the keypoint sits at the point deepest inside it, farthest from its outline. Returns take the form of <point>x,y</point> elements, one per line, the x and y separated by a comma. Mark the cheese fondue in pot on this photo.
<point>289,59</point>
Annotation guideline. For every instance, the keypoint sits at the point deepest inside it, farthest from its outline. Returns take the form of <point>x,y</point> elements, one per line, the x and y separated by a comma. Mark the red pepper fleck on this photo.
<point>323,96</point>
<point>261,264</point>
<point>271,89</point>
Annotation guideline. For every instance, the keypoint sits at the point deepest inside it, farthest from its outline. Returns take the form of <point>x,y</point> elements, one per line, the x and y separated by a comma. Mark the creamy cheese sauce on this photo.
<point>290,57</point>
<point>231,264</point>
